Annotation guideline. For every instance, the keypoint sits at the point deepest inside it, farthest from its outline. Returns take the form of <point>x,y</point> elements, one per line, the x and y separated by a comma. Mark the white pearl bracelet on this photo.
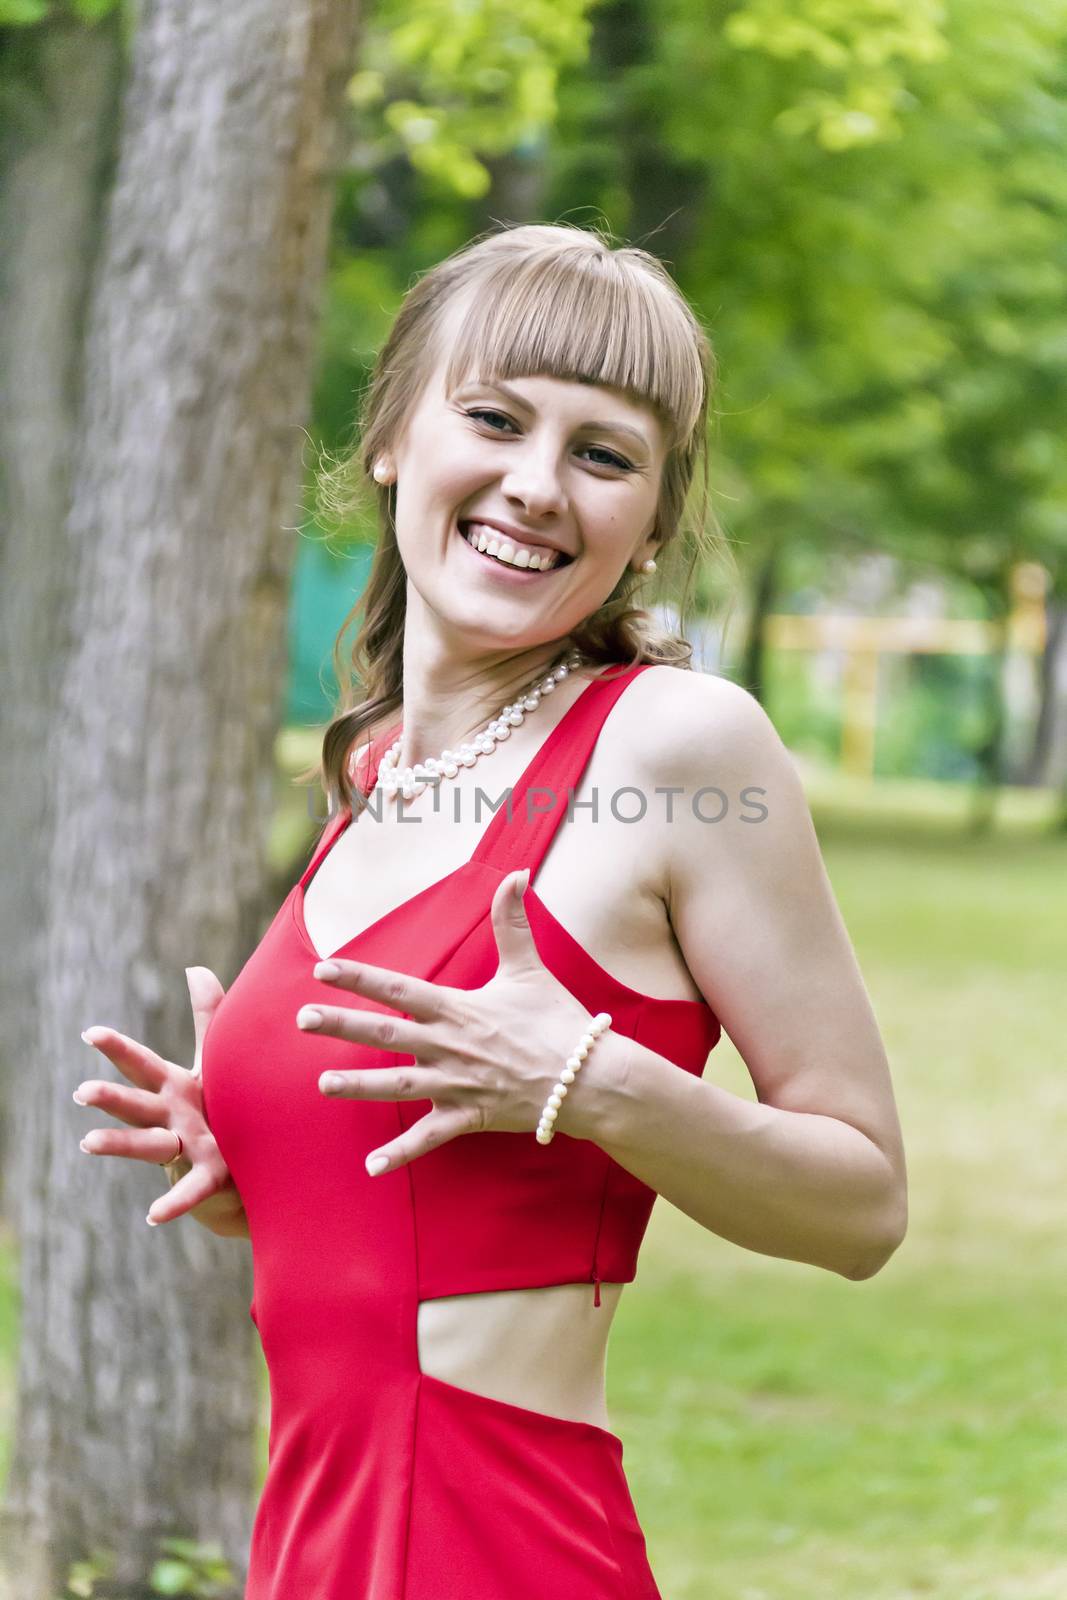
<point>546,1128</point>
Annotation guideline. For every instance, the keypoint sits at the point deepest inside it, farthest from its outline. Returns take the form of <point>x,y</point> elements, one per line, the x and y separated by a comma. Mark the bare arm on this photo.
<point>815,1170</point>
<point>793,1184</point>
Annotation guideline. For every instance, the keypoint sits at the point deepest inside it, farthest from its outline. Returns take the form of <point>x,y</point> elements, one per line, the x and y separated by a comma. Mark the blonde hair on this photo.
<point>553,300</point>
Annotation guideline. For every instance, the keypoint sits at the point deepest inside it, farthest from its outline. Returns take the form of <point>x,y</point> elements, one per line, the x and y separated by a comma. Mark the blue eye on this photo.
<point>619,462</point>
<point>498,414</point>
<point>613,460</point>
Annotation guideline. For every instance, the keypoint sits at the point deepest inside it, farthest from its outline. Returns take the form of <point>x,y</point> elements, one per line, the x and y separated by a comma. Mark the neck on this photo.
<point>448,700</point>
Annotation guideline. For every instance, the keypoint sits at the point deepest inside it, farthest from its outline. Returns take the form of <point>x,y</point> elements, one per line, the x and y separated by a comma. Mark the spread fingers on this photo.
<point>417,997</point>
<point>382,1083</point>
<point>134,1060</point>
<point>135,1106</point>
<point>381,1030</point>
<point>148,1144</point>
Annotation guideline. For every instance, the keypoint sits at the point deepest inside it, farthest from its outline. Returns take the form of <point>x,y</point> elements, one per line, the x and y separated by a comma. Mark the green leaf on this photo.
<point>171,1576</point>
<point>93,10</point>
<point>22,13</point>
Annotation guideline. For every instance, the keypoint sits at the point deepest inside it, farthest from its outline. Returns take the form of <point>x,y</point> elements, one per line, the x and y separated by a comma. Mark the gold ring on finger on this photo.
<point>177,1154</point>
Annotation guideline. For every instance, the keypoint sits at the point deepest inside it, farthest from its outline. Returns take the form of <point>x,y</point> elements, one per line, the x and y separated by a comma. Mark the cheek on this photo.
<point>608,533</point>
<point>447,478</point>
<point>428,490</point>
<point>451,450</point>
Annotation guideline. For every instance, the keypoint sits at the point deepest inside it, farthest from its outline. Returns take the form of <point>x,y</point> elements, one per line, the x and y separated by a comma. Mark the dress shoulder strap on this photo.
<point>524,827</point>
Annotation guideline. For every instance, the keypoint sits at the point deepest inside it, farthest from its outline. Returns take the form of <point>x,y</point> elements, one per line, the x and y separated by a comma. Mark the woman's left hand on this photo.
<point>487,1058</point>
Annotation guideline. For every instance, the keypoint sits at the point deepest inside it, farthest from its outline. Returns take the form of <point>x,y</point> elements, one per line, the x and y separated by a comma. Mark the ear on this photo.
<point>650,545</point>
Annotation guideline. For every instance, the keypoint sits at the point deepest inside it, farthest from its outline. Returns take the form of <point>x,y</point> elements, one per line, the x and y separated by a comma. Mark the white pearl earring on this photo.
<point>381,472</point>
<point>648,566</point>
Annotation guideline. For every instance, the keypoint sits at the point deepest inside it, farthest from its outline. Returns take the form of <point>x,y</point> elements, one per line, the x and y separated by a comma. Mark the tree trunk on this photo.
<point>619,151</point>
<point>986,790</point>
<point>137,1397</point>
<point>59,88</point>
<point>516,191</point>
<point>1041,767</point>
<point>752,672</point>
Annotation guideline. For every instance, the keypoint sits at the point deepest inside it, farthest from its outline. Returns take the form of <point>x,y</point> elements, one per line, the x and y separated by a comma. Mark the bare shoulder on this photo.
<point>696,724</point>
<point>729,795</point>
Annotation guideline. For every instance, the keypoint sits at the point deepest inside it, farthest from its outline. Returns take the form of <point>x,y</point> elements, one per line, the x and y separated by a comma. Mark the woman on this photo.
<point>441,1107</point>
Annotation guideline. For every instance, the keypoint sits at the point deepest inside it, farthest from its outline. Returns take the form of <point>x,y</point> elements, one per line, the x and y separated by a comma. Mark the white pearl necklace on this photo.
<point>411,781</point>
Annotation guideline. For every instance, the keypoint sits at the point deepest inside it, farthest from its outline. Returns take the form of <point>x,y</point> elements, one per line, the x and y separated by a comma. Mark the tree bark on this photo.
<point>763,585</point>
<point>621,151</point>
<point>1052,710</point>
<point>516,191</point>
<point>59,89</point>
<point>137,1398</point>
<point>990,753</point>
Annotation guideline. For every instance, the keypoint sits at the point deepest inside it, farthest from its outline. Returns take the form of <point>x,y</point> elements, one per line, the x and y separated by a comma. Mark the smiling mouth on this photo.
<point>503,551</point>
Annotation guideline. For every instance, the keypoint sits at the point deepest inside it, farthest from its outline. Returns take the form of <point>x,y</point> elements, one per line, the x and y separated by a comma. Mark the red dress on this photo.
<point>384,1482</point>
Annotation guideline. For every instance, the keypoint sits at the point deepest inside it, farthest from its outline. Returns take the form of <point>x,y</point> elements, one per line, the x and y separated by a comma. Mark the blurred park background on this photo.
<point>209,217</point>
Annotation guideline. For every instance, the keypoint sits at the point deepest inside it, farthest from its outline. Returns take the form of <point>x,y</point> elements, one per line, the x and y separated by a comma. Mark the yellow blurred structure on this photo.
<point>863,640</point>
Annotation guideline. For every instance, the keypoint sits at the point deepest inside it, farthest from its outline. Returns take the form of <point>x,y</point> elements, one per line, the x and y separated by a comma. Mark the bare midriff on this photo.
<point>545,1349</point>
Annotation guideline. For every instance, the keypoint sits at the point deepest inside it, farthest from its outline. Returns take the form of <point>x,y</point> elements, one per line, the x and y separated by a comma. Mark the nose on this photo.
<point>533,482</point>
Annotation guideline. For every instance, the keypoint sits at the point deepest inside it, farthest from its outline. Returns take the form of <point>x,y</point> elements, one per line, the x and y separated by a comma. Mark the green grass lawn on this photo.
<point>791,1435</point>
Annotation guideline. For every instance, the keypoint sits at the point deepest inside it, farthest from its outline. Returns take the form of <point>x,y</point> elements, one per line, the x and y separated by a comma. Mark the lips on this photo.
<point>471,529</point>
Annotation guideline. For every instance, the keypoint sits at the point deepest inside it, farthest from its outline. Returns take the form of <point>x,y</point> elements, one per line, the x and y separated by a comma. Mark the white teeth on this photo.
<point>492,543</point>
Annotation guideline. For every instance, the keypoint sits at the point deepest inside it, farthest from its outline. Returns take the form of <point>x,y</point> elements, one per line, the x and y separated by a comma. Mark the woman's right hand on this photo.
<point>167,1099</point>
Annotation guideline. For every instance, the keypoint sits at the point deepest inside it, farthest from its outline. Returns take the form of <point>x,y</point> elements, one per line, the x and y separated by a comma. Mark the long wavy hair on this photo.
<point>553,300</point>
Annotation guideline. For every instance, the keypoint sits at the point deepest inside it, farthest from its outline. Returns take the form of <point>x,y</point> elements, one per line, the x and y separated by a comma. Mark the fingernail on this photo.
<point>308,1017</point>
<point>327,969</point>
<point>521,884</point>
<point>330,1082</point>
<point>86,1147</point>
<point>85,1036</point>
<point>376,1164</point>
<point>78,1099</point>
<point>152,1223</point>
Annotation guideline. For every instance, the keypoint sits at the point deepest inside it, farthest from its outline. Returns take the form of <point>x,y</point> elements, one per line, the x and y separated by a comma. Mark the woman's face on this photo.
<point>566,471</point>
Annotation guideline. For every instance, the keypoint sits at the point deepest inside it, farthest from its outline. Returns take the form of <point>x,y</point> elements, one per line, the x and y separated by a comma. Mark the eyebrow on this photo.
<point>601,427</point>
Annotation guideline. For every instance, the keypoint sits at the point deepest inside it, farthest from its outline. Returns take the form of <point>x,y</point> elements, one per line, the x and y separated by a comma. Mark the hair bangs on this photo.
<point>583,317</point>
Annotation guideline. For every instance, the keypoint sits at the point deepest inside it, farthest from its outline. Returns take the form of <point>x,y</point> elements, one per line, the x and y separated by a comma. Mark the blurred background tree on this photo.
<point>866,204</point>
